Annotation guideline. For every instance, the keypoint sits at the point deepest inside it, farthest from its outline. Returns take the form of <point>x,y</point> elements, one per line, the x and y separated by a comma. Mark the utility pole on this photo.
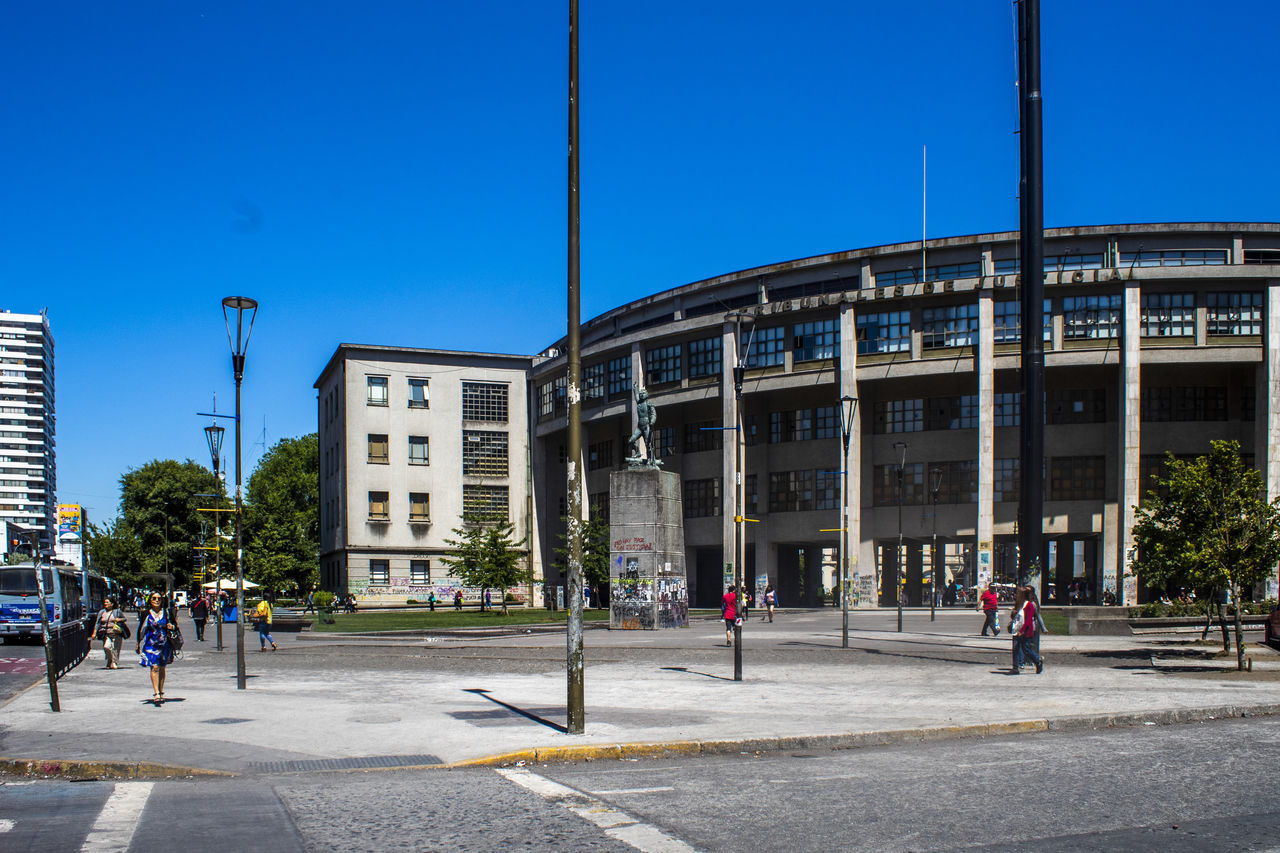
<point>50,667</point>
<point>574,664</point>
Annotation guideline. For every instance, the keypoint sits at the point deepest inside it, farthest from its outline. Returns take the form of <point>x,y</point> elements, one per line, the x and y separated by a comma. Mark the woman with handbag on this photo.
<point>1023,628</point>
<point>111,628</point>
<point>154,645</point>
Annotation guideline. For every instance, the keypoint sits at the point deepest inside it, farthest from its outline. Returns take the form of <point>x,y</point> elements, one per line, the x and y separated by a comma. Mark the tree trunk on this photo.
<point>1239,629</point>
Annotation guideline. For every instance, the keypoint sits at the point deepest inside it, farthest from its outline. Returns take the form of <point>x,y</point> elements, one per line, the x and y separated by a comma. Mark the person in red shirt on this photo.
<point>1025,629</point>
<point>990,604</point>
<point>729,610</point>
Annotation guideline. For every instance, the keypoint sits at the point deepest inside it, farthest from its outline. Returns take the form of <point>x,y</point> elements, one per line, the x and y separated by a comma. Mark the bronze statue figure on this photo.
<point>646,417</point>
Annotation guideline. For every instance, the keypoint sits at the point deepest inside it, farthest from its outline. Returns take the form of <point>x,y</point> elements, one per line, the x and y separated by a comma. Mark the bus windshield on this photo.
<point>21,580</point>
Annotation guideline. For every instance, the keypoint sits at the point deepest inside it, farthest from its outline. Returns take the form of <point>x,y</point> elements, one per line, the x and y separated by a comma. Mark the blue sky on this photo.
<point>394,172</point>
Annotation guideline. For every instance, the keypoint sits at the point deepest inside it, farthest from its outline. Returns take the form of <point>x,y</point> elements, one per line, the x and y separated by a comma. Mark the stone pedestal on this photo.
<point>649,588</point>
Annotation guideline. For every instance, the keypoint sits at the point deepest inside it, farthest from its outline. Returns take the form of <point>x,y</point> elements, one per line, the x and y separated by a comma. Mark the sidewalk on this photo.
<point>327,701</point>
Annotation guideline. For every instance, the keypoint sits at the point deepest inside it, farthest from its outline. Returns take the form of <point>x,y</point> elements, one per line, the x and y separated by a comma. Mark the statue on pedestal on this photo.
<point>646,417</point>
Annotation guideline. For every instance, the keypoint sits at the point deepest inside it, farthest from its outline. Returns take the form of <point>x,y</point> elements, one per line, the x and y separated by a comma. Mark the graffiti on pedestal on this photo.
<point>631,602</point>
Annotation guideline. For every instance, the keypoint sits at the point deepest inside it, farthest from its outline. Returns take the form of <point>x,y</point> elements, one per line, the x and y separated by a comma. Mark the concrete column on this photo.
<point>728,458</point>
<point>1267,409</point>
<point>862,575</point>
<point>986,432</point>
<point>1237,249</point>
<point>1128,457</point>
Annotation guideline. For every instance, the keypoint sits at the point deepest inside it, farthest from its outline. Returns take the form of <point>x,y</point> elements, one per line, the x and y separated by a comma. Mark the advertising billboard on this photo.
<point>69,520</point>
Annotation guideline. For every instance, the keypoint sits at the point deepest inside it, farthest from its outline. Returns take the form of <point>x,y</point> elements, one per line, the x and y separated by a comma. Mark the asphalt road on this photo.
<point>1201,787</point>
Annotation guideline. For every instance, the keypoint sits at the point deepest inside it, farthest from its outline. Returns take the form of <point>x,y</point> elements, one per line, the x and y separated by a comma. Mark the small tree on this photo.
<point>595,551</point>
<point>487,556</point>
<point>1214,528</point>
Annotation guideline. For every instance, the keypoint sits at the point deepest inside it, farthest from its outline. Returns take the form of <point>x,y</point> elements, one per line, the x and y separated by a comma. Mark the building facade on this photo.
<point>1158,338</point>
<point>28,459</point>
<point>411,440</point>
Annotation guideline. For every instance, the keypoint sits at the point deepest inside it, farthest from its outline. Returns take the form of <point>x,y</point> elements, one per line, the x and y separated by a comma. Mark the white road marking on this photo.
<point>5,824</point>
<point>118,820</point>
<point>616,824</point>
<point>635,790</point>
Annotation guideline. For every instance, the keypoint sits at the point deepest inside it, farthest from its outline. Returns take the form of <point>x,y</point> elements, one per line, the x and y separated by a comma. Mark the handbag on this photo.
<point>1016,627</point>
<point>123,626</point>
<point>174,634</point>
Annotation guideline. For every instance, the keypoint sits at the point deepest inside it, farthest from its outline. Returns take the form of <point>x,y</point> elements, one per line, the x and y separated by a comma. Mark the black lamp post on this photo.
<point>848,411</point>
<point>901,448</point>
<point>213,434</point>
<point>933,551</point>
<point>239,305</point>
<point>743,346</point>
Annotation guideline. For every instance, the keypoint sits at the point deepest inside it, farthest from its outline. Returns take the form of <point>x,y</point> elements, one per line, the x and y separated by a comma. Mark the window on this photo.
<point>377,390</point>
<point>888,331</point>
<point>1168,315</point>
<point>790,426</point>
<point>766,347</point>
<point>418,451</point>
<point>1007,321</point>
<point>751,494</point>
<point>943,272</point>
<point>419,394</point>
<point>662,365</point>
<point>815,341</point>
<point>1076,478</point>
<point>1234,313</point>
<point>824,422</point>
<point>1173,258</point>
<point>485,504</point>
<point>1248,403</point>
<point>380,572</point>
<point>790,491</point>
<point>484,454</point>
<point>702,435</point>
<point>419,506</point>
<point>894,416</point>
<point>885,484</point>
<point>1091,317</point>
<point>1008,409</point>
<point>664,442</point>
<point>1262,256</point>
<point>953,412</point>
<point>957,482</point>
<point>378,453</point>
<point>619,377</point>
<point>1075,406</point>
<point>1008,480</point>
<point>702,498</point>
<point>484,401</point>
<point>949,326</point>
<point>379,506</point>
<point>419,572</point>
<point>1184,403</point>
<point>593,381</point>
<point>553,397</point>
<point>826,490</point>
<point>704,358</point>
<point>600,455</point>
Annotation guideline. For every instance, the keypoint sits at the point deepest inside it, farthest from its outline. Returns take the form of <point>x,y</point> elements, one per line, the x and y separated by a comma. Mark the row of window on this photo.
<point>419,506</point>
<point>1069,478</point>
<point>484,402</point>
<point>481,503</point>
<point>378,392</point>
<point>419,572</point>
<point>484,453</point>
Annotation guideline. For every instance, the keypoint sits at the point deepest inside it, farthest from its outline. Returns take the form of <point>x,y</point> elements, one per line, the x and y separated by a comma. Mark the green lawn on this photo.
<point>1055,622</point>
<point>425,620</point>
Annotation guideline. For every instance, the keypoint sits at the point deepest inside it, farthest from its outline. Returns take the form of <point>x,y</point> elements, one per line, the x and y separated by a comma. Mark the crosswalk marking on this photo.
<point>113,830</point>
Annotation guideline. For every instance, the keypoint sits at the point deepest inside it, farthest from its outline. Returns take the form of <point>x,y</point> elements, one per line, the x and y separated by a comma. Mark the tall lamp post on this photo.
<point>901,448</point>
<point>936,477</point>
<point>239,305</point>
<point>848,411</point>
<point>213,434</point>
<point>739,504</point>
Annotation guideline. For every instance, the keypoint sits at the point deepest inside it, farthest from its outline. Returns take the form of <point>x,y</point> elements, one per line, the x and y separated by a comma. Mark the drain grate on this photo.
<point>344,763</point>
<point>226,721</point>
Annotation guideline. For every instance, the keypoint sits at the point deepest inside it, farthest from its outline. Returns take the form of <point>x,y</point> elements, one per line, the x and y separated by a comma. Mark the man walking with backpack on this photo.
<point>200,615</point>
<point>990,604</point>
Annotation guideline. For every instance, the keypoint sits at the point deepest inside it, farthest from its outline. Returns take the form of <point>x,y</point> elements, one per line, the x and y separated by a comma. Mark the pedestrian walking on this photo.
<point>989,604</point>
<point>748,599</point>
<point>311,603</point>
<point>153,647</point>
<point>200,615</point>
<point>262,616</point>
<point>770,602</point>
<point>457,600</point>
<point>431,601</point>
<point>1023,628</point>
<point>729,612</point>
<point>110,628</point>
<point>488,600</point>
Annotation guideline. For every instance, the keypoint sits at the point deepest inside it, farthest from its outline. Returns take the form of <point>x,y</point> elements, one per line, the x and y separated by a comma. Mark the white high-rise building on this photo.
<point>28,478</point>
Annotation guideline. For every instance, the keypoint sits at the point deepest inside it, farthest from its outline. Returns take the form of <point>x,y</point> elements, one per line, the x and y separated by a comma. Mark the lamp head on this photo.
<point>213,434</point>
<point>240,343</point>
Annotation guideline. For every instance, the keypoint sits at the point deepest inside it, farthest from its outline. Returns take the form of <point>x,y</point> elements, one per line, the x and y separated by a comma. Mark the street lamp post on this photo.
<point>239,305</point>
<point>933,550</point>
<point>848,411</point>
<point>901,448</point>
<point>739,504</point>
<point>213,434</point>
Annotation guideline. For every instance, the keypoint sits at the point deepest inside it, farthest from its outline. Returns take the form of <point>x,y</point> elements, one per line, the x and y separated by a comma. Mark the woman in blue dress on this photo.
<point>154,647</point>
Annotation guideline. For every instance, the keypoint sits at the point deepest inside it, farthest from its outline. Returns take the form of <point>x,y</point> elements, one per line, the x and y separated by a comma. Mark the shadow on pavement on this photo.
<point>695,672</point>
<point>479,691</point>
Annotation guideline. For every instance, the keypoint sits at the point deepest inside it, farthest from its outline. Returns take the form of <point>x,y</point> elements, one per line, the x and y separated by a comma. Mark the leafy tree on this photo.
<point>488,556</point>
<point>282,516</point>
<point>158,506</point>
<point>115,551</point>
<point>1215,527</point>
<point>595,553</point>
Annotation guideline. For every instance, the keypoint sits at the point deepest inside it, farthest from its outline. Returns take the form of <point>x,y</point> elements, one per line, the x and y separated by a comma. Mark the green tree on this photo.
<point>595,553</point>
<point>159,505</point>
<point>1214,527</point>
<point>488,556</point>
<point>115,551</point>
<point>282,516</point>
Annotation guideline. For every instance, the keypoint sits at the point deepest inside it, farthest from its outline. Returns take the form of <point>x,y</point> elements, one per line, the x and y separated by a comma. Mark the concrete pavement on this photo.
<point>334,702</point>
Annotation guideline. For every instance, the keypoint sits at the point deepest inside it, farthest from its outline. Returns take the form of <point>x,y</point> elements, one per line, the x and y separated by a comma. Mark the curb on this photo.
<point>49,768</point>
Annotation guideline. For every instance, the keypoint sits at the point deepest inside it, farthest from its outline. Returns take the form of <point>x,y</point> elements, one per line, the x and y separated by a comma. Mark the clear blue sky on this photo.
<point>394,172</point>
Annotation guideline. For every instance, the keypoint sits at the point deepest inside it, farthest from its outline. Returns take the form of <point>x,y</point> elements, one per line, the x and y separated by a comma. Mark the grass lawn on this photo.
<point>1055,622</point>
<point>425,620</point>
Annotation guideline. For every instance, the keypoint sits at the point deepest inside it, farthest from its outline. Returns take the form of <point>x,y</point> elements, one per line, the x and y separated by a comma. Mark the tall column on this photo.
<point>728,458</point>
<point>986,433</point>
<point>862,573</point>
<point>1129,467</point>
<point>1267,406</point>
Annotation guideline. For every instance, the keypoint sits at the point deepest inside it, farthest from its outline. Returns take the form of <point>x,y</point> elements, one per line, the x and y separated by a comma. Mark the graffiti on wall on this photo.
<point>631,603</point>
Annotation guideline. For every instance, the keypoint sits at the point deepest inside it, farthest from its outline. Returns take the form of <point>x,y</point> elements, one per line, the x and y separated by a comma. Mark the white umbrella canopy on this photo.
<point>227,583</point>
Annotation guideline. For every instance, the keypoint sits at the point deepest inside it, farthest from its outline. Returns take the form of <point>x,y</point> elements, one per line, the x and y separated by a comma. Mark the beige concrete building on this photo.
<point>410,440</point>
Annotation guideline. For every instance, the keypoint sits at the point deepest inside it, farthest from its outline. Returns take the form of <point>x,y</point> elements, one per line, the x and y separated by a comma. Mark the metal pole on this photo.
<point>846,428</point>
<point>1032,263</point>
<point>238,364</point>
<point>50,667</point>
<point>740,539</point>
<point>576,722</point>
<point>933,553</point>
<point>898,557</point>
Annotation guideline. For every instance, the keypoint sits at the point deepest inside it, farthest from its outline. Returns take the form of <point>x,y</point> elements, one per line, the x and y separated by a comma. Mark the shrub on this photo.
<point>323,599</point>
<point>411,601</point>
